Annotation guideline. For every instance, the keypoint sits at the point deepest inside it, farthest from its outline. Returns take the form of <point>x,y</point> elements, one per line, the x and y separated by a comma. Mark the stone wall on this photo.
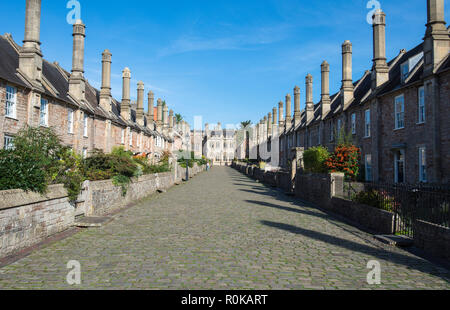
<point>432,238</point>
<point>27,218</point>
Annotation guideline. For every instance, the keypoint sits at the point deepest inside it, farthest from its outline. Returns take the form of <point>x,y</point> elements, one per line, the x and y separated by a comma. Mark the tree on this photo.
<point>178,118</point>
<point>245,124</point>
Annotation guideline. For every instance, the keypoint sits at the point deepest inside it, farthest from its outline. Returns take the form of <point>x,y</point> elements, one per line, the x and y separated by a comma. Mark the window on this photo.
<point>422,164</point>
<point>85,125</point>
<point>367,124</point>
<point>84,152</point>
<point>70,120</point>
<point>404,71</point>
<point>399,112</point>
<point>353,124</point>
<point>122,137</point>
<point>399,166</point>
<point>8,143</point>
<point>130,138</point>
<point>11,99</point>
<point>368,164</point>
<point>421,96</point>
<point>43,116</point>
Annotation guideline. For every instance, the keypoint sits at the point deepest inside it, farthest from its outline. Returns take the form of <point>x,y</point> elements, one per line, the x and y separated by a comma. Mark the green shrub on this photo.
<point>22,171</point>
<point>314,159</point>
<point>122,181</point>
<point>376,199</point>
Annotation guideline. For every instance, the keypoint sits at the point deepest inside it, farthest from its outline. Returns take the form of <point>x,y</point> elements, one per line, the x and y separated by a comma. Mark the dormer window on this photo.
<point>409,65</point>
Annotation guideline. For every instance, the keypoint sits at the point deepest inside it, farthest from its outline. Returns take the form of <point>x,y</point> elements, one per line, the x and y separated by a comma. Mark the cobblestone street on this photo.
<point>222,230</point>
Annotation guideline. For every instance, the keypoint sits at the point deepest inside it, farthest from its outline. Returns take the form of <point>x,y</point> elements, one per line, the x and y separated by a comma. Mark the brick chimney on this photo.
<point>166,116</point>
<point>105,92</point>
<point>347,79</point>
<point>436,41</point>
<point>269,124</point>
<point>30,55</point>
<point>380,70</point>
<point>77,83</point>
<point>150,104</point>
<point>140,104</point>
<point>288,118</point>
<point>125,106</point>
<point>325,100</point>
<point>309,99</point>
<point>171,119</point>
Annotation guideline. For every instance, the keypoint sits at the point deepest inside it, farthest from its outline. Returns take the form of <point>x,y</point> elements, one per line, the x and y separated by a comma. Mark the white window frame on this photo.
<point>85,152</point>
<point>368,167</point>
<point>421,105</point>
<point>85,125</point>
<point>422,164</point>
<point>353,117</point>
<point>399,116</point>
<point>130,138</point>
<point>8,142</point>
<point>43,113</point>
<point>70,115</point>
<point>122,136</point>
<point>11,102</point>
<point>367,123</point>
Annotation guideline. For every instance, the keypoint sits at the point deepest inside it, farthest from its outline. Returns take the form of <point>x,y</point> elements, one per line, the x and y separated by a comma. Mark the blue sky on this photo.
<point>228,61</point>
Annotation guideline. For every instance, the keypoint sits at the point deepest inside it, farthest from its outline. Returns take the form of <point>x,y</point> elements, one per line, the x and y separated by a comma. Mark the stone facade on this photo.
<point>397,112</point>
<point>219,145</point>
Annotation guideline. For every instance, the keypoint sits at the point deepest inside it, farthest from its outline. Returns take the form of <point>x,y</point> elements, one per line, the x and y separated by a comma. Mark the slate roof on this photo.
<point>58,88</point>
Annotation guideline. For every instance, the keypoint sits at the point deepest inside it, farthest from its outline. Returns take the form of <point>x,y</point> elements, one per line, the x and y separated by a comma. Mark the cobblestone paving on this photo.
<point>222,230</point>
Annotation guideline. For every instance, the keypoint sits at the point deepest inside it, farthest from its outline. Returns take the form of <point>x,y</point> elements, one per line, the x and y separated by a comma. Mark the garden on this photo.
<point>39,159</point>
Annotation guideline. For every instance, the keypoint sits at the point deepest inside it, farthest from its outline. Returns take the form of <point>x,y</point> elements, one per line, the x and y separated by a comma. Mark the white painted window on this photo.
<point>130,136</point>
<point>399,112</point>
<point>8,143</point>
<point>43,115</point>
<point>122,136</point>
<point>70,120</point>
<point>85,125</point>
<point>85,152</point>
<point>367,123</point>
<point>422,164</point>
<point>421,96</point>
<point>11,102</point>
<point>354,124</point>
<point>368,166</point>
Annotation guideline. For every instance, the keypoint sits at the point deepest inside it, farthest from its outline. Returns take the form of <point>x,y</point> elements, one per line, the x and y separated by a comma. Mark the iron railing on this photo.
<point>411,202</point>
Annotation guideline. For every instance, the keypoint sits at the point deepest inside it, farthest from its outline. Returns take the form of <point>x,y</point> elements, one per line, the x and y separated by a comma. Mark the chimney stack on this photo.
<point>269,124</point>
<point>437,40</point>
<point>280,116</point>
<point>288,119</point>
<point>125,106</point>
<point>347,79</point>
<point>325,101</point>
<point>76,81</point>
<point>140,104</point>
<point>171,119</point>
<point>166,116</point>
<point>274,116</point>
<point>159,111</point>
<point>150,105</point>
<point>380,70</point>
<point>297,113</point>
<point>30,55</point>
<point>309,99</point>
<point>105,92</point>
